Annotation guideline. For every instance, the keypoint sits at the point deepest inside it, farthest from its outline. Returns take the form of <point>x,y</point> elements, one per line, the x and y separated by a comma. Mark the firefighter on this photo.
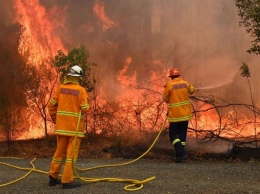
<point>176,94</point>
<point>64,108</point>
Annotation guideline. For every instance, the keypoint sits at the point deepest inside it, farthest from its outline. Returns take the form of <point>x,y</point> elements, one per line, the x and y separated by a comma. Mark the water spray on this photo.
<point>210,86</point>
<point>217,85</point>
<point>224,82</point>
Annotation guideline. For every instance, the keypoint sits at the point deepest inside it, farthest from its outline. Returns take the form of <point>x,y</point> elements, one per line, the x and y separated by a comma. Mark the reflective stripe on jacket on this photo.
<point>176,94</point>
<point>65,105</point>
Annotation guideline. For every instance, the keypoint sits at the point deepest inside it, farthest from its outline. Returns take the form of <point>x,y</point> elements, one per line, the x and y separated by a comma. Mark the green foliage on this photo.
<point>249,11</point>
<point>77,56</point>
<point>244,70</point>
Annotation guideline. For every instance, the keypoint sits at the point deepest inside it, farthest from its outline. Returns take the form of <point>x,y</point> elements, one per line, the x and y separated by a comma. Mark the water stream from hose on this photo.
<point>211,86</point>
<point>217,85</point>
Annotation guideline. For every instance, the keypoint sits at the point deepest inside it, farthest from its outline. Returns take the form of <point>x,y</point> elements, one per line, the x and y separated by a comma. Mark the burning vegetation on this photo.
<point>134,45</point>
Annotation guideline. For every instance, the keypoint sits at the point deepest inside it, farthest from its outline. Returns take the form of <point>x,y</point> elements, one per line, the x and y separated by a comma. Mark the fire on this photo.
<point>122,75</point>
<point>111,44</point>
<point>138,104</point>
<point>99,10</point>
<point>231,125</point>
<point>38,41</point>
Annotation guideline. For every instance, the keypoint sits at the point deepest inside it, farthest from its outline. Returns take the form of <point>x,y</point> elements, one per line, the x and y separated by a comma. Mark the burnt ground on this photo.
<point>234,171</point>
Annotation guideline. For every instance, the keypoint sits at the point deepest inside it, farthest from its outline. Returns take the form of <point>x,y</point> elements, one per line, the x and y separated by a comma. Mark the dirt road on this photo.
<point>190,177</point>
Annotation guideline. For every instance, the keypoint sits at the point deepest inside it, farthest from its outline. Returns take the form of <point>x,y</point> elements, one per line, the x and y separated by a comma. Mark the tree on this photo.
<point>249,11</point>
<point>38,84</point>
<point>12,98</point>
<point>246,73</point>
<point>77,56</point>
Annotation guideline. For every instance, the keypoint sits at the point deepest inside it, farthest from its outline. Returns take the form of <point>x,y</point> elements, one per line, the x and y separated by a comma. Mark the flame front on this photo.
<point>138,103</point>
<point>38,40</point>
<point>99,10</point>
<point>38,43</point>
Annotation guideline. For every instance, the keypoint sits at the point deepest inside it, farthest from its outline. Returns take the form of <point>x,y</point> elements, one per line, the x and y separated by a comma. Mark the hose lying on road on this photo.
<point>133,184</point>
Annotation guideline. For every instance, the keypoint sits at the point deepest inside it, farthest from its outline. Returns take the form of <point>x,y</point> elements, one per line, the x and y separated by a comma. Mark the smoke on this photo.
<point>6,12</point>
<point>218,146</point>
<point>200,37</point>
<point>194,144</point>
<point>217,72</point>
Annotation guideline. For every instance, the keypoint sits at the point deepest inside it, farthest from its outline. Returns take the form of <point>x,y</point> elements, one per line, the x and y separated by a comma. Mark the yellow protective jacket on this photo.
<point>176,94</point>
<point>65,105</point>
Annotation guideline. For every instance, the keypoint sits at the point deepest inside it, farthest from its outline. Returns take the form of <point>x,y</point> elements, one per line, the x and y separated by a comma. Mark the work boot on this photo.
<point>179,149</point>
<point>71,185</point>
<point>180,159</point>
<point>53,181</point>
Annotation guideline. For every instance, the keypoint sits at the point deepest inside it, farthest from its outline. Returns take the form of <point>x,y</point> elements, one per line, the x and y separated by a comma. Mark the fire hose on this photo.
<point>134,185</point>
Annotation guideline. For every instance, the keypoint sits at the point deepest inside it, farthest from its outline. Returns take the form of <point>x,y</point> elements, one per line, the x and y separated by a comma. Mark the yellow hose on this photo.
<point>133,184</point>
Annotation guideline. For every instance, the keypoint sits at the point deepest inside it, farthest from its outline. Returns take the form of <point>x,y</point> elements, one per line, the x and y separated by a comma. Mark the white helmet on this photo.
<point>75,71</point>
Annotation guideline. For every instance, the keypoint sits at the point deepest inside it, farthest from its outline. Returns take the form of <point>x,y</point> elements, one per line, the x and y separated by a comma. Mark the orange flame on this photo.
<point>39,43</point>
<point>38,39</point>
<point>228,126</point>
<point>123,78</point>
<point>99,10</point>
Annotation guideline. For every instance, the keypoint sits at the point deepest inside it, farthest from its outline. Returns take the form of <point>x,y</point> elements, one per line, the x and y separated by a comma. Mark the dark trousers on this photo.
<point>177,135</point>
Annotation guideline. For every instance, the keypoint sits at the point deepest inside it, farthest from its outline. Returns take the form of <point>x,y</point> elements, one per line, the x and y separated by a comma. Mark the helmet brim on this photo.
<point>74,75</point>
